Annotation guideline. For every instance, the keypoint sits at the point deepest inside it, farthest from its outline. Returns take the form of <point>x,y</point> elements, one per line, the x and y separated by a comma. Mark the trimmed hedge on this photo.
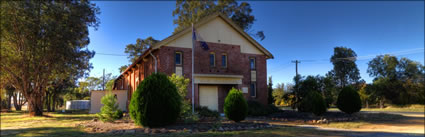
<point>235,106</point>
<point>155,102</point>
<point>349,100</point>
<point>314,103</point>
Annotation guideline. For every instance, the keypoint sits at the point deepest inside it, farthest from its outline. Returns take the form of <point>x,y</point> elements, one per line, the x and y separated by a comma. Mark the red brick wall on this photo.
<point>237,64</point>
<point>167,65</point>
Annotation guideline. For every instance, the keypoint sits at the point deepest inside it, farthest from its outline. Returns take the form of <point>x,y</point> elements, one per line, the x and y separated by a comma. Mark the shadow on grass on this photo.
<point>387,118</point>
<point>42,131</point>
<point>275,132</point>
<point>369,117</point>
<point>13,113</point>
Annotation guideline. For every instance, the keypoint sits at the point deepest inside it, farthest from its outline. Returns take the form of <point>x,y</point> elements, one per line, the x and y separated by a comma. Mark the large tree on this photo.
<point>122,68</point>
<point>345,69</point>
<point>383,66</point>
<point>278,93</point>
<point>136,50</point>
<point>40,38</point>
<point>399,81</point>
<point>189,12</point>
<point>270,99</point>
<point>329,89</point>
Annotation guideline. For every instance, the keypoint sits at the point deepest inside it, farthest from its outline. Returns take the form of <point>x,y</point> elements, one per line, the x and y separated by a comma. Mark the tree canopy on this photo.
<point>122,68</point>
<point>189,12</point>
<point>383,66</point>
<point>44,38</point>
<point>136,50</point>
<point>345,69</point>
<point>400,81</point>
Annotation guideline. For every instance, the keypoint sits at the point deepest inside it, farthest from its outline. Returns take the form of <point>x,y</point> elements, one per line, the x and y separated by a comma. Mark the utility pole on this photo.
<point>296,66</point>
<point>103,85</point>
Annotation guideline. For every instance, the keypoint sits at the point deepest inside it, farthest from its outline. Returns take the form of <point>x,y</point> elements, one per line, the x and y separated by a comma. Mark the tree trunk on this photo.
<point>367,104</point>
<point>54,102</point>
<point>22,100</point>
<point>9,102</point>
<point>47,101</point>
<point>381,103</point>
<point>16,103</point>
<point>35,105</point>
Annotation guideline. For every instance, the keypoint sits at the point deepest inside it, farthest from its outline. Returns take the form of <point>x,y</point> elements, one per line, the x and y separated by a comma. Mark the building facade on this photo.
<point>233,59</point>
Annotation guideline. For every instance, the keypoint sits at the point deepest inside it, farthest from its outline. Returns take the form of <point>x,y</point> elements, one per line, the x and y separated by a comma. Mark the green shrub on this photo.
<point>257,109</point>
<point>313,103</point>
<point>109,111</point>
<point>205,112</point>
<point>155,102</point>
<point>191,118</point>
<point>273,108</point>
<point>235,106</point>
<point>349,101</point>
<point>181,85</point>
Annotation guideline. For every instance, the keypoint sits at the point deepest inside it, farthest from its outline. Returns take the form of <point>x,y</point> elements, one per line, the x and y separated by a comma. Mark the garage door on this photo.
<point>208,96</point>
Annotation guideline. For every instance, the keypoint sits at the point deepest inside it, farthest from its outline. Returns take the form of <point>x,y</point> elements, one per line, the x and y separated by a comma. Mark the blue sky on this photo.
<point>305,30</point>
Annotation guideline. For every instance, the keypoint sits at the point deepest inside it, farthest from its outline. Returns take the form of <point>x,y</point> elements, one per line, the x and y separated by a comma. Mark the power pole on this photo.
<point>296,66</point>
<point>103,85</point>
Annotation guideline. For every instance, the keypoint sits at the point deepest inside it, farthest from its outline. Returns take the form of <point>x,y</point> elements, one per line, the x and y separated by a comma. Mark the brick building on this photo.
<point>233,59</point>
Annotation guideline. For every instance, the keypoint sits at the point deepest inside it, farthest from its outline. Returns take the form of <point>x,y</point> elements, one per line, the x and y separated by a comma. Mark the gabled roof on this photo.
<point>189,29</point>
<point>208,19</point>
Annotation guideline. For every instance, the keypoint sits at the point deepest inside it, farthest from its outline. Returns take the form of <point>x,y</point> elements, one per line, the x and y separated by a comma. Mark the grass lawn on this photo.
<point>365,120</point>
<point>406,119</point>
<point>393,108</point>
<point>61,125</point>
<point>384,122</point>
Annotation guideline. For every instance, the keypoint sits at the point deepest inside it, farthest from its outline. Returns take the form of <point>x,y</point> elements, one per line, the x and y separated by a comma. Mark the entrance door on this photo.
<point>208,96</point>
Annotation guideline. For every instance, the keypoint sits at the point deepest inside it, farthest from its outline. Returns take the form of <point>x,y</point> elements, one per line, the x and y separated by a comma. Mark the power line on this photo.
<point>109,54</point>
<point>281,66</point>
<point>284,68</point>
<point>358,58</point>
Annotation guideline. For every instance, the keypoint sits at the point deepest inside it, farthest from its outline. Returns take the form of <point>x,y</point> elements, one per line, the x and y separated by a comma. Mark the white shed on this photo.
<point>97,95</point>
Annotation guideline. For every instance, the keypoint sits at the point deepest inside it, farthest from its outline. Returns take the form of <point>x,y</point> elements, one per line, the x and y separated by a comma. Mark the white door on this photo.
<point>208,96</point>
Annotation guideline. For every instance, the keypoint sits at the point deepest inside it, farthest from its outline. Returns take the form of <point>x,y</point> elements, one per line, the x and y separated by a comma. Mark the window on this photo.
<point>252,63</point>
<point>212,59</point>
<point>224,61</point>
<point>253,87</point>
<point>178,58</point>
